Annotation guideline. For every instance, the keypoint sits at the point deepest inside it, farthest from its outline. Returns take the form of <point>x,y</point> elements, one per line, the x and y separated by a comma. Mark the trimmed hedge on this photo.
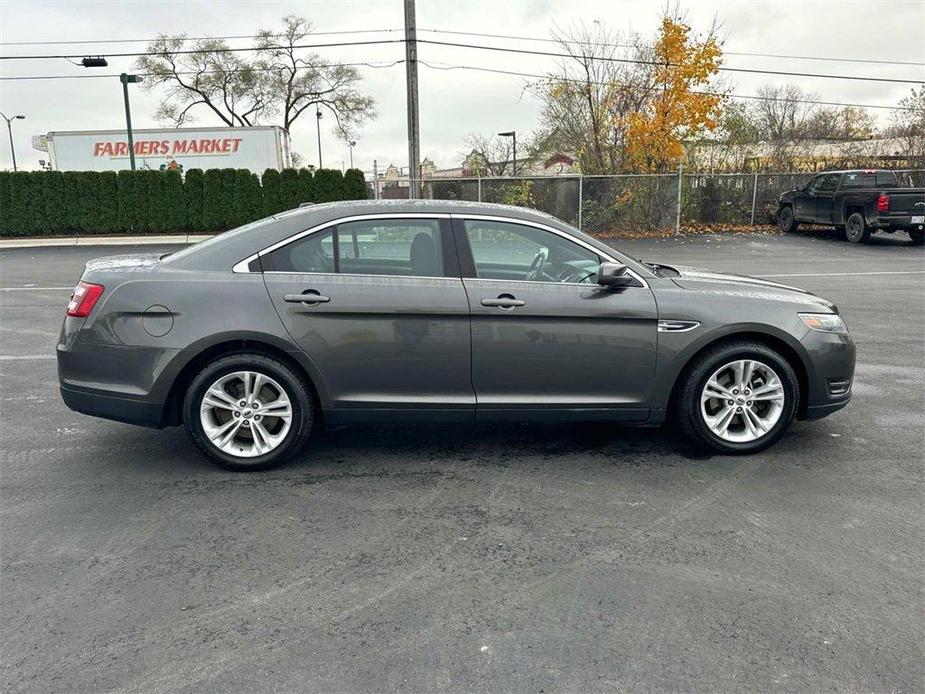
<point>48,203</point>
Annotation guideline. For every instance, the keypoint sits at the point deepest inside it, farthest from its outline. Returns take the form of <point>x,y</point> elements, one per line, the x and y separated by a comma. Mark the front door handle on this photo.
<point>309,296</point>
<point>504,301</point>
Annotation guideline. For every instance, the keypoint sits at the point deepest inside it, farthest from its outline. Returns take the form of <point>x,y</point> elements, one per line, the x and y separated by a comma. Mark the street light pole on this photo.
<point>318,115</point>
<point>126,80</point>
<point>513,135</point>
<point>9,128</point>
<point>351,145</point>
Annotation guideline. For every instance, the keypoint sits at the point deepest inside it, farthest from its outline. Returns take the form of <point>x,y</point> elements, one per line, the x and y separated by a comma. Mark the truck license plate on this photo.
<point>918,219</point>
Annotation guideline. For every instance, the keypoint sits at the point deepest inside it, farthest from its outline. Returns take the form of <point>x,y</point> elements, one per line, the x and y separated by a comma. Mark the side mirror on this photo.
<point>614,275</point>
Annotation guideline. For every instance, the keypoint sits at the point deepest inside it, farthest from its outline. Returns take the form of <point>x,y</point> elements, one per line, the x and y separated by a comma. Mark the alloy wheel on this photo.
<point>742,400</point>
<point>245,414</point>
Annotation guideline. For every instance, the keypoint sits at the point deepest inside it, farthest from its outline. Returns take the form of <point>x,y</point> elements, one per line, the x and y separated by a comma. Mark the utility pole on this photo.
<point>351,145</point>
<point>513,135</point>
<point>414,134</point>
<point>9,127</point>
<point>318,121</point>
<point>126,80</point>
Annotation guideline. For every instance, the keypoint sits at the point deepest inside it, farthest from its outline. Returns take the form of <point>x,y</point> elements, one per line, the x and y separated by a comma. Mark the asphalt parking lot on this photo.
<point>504,558</point>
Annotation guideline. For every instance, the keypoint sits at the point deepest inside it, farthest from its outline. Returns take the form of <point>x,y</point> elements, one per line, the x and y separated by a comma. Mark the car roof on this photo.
<point>225,250</point>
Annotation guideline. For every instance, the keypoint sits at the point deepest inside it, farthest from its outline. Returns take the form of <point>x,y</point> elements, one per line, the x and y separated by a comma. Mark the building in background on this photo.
<point>256,149</point>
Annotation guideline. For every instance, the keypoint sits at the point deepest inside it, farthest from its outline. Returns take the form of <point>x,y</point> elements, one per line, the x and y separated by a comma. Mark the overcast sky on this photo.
<point>453,103</point>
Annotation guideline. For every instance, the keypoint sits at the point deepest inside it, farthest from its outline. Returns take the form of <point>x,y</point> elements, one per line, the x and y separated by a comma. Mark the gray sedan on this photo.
<point>411,310</point>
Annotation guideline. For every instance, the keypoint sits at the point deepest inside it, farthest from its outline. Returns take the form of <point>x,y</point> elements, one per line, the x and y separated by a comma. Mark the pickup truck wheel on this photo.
<point>785,219</point>
<point>917,236</point>
<point>856,230</point>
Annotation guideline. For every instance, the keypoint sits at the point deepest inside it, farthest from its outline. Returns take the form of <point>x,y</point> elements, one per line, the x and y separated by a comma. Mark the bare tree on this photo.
<point>210,76</point>
<point>489,156</point>
<point>908,124</point>
<point>280,79</point>
<point>300,81</point>
<point>587,98</point>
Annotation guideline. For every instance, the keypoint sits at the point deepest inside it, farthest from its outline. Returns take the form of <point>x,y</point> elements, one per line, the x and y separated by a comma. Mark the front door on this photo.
<point>378,306</point>
<point>825,194</point>
<point>544,334</point>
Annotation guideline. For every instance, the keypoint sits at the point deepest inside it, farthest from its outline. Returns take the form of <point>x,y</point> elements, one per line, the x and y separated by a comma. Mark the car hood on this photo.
<point>755,287</point>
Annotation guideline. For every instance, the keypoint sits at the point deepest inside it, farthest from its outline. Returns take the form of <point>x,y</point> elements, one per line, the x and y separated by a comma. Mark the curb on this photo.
<point>38,242</point>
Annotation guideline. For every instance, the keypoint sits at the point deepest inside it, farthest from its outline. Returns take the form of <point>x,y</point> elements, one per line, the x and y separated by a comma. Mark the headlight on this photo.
<point>825,322</point>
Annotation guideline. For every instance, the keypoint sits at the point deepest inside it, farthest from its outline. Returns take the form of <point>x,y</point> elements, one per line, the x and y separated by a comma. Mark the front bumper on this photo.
<point>830,373</point>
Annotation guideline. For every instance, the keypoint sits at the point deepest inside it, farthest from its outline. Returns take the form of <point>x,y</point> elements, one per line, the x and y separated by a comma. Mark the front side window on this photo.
<point>506,250</point>
<point>827,183</point>
<point>409,247</point>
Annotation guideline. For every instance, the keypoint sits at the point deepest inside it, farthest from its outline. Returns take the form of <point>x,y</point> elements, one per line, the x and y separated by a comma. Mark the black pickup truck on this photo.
<point>856,203</point>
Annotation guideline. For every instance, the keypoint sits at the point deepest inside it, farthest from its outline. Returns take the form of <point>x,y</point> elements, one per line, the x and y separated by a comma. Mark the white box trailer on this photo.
<point>257,149</point>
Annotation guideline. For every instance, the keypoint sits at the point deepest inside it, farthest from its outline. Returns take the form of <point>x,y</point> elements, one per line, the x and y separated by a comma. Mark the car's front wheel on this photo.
<point>248,411</point>
<point>738,397</point>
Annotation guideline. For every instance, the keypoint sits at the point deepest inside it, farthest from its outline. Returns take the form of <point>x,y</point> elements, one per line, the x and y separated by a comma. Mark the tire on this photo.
<point>856,230</point>
<point>259,440</point>
<point>917,236</point>
<point>774,415</point>
<point>785,219</point>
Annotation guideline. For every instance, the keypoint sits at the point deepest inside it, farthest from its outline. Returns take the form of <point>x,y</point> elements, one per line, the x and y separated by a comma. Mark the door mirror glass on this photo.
<point>614,275</point>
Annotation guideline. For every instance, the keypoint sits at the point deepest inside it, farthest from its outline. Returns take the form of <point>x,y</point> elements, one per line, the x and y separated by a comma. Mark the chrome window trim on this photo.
<point>243,266</point>
<point>544,227</point>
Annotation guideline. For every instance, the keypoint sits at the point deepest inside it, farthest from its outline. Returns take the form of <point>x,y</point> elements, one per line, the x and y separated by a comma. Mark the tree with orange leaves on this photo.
<point>680,108</point>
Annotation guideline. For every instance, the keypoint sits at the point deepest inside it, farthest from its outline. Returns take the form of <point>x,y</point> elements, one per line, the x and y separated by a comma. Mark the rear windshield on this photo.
<point>869,179</point>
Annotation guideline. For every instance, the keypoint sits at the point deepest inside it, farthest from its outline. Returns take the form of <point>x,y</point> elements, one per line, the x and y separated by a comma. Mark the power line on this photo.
<point>661,64</point>
<point>192,51</point>
<point>188,38</point>
<point>195,72</point>
<point>630,45</point>
<point>752,97</point>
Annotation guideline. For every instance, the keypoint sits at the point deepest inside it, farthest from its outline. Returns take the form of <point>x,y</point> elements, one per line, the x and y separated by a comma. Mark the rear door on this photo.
<point>544,334</point>
<point>378,305</point>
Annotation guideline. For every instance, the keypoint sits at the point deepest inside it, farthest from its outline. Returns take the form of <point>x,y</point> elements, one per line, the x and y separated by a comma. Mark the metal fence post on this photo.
<point>677,221</point>
<point>581,196</point>
<point>754,197</point>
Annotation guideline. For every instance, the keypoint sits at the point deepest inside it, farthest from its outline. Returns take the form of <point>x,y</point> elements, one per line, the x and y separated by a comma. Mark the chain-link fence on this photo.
<point>629,203</point>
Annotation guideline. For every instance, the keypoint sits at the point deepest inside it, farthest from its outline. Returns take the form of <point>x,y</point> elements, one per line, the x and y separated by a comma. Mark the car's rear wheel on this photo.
<point>917,236</point>
<point>856,230</point>
<point>738,397</point>
<point>248,411</point>
<point>785,219</point>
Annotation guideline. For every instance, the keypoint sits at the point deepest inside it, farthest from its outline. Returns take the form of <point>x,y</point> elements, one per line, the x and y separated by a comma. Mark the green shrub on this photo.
<point>354,185</point>
<point>108,201</point>
<point>306,185</point>
<point>138,202</point>
<point>329,185</point>
<point>271,192</point>
<point>193,187</point>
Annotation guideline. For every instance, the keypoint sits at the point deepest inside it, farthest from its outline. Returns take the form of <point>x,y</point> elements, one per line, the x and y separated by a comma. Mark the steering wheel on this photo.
<point>537,265</point>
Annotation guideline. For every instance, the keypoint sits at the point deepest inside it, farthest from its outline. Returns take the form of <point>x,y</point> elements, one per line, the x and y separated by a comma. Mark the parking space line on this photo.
<point>27,357</point>
<point>33,289</point>
<point>849,274</point>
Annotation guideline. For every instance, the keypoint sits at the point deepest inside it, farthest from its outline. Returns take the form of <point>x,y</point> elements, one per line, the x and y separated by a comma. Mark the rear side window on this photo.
<point>869,179</point>
<point>402,247</point>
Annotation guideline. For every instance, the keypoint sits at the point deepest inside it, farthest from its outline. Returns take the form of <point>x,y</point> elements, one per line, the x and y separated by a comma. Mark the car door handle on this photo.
<point>503,301</point>
<point>310,297</point>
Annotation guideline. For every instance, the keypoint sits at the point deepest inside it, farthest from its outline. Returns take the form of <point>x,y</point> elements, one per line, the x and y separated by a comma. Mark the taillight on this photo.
<point>84,299</point>
<point>883,203</point>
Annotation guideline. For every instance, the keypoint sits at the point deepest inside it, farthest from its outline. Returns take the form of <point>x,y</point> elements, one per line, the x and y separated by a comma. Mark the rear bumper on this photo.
<point>119,409</point>
<point>895,222</point>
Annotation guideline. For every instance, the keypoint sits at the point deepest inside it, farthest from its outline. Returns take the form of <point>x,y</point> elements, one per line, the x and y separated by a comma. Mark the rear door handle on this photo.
<point>505,301</point>
<point>309,296</point>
